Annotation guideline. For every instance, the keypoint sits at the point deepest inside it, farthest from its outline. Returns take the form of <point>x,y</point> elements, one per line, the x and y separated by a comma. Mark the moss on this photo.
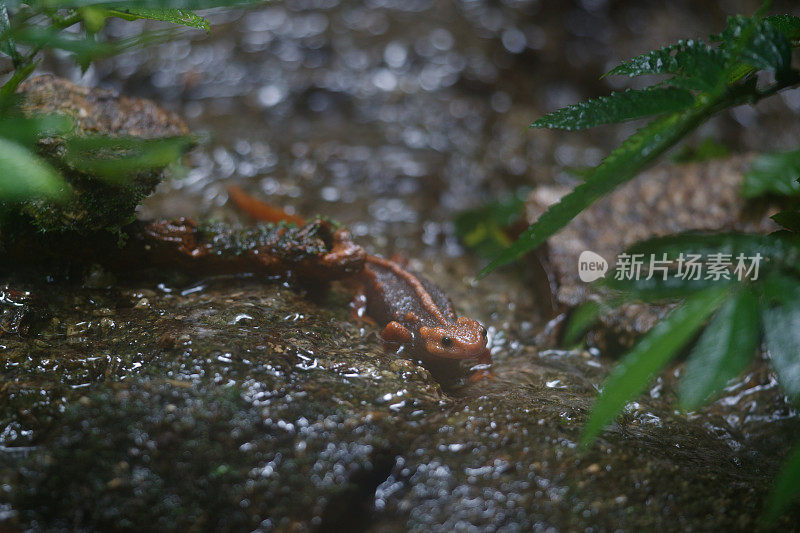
<point>95,205</point>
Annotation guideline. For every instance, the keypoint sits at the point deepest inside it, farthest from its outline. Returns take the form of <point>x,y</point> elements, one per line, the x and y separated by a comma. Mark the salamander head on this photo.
<point>463,339</point>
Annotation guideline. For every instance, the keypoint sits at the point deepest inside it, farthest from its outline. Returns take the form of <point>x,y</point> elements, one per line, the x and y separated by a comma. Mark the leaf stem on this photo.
<point>8,45</point>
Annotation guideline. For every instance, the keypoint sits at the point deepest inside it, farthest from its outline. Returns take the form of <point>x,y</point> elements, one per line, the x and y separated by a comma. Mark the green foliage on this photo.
<point>617,107</point>
<point>697,79</point>
<point>782,332</point>
<point>24,175</point>
<point>786,487</point>
<point>112,158</point>
<point>719,75</point>
<point>764,307</point>
<point>725,348</point>
<point>28,28</point>
<point>631,376</point>
<point>175,16</point>
<point>484,229</point>
<point>692,64</point>
<point>776,173</point>
<point>620,166</point>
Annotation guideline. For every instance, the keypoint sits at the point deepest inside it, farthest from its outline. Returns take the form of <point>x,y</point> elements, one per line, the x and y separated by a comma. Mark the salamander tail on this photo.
<point>259,209</point>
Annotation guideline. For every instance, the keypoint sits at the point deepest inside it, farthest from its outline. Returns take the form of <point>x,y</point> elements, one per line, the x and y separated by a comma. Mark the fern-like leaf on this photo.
<point>617,107</point>
<point>621,165</point>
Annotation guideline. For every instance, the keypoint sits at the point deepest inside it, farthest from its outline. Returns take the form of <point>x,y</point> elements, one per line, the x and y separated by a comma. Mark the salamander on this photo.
<point>416,314</point>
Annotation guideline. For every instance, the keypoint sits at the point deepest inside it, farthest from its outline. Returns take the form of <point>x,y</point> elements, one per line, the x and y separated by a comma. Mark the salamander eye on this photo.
<point>484,333</point>
<point>447,342</point>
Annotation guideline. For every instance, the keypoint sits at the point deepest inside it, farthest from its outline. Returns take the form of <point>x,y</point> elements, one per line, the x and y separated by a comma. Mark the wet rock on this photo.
<point>228,403</point>
<point>96,205</point>
<point>264,410</point>
<point>19,311</point>
<point>665,200</point>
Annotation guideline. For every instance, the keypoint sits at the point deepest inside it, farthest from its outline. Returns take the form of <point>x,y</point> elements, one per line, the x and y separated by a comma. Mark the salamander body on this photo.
<point>414,312</point>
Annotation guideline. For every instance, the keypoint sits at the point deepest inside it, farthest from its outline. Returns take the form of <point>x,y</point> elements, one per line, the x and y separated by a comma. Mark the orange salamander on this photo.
<point>416,314</point>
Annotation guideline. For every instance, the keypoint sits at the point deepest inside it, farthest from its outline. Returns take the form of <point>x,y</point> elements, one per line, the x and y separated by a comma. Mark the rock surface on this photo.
<point>229,403</point>
<point>668,199</point>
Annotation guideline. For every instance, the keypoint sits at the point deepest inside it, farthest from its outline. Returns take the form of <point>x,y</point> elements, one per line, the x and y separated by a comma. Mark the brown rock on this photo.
<point>667,199</point>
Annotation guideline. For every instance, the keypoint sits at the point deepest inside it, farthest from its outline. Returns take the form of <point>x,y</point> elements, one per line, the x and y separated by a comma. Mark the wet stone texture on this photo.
<point>231,402</point>
<point>668,199</point>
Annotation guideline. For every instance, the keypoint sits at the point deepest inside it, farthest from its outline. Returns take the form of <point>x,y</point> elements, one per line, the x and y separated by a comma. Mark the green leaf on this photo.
<point>768,49</point>
<point>113,158</point>
<point>587,314</point>
<point>775,173</point>
<point>789,25</point>
<point>187,5</point>
<point>26,131</point>
<point>786,489</point>
<point>88,49</point>
<point>483,230</point>
<point>24,175</point>
<point>789,219</point>
<point>632,374</point>
<point>725,348</point>
<point>20,75</point>
<point>621,165</point>
<point>695,65</point>
<point>660,288</point>
<point>782,332</point>
<point>175,16</point>
<point>618,107</point>
<point>581,320</point>
<point>780,249</point>
<point>7,44</point>
<point>94,18</point>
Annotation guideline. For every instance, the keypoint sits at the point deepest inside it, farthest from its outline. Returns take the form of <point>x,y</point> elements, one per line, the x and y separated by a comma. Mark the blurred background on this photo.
<point>391,115</point>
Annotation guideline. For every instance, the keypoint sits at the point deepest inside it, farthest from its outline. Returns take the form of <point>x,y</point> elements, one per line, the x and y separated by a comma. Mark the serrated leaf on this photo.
<point>175,16</point>
<point>724,349</point>
<point>632,374</point>
<point>188,5</point>
<point>621,165</point>
<point>780,249</point>
<point>24,175</point>
<point>617,107</point>
<point>775,173</point>
<point>789,25</point>
<point>695,65</point>
<point>782,332</point>
<point>786,489</point>
<point>660,288</point>
<point>768,49</point>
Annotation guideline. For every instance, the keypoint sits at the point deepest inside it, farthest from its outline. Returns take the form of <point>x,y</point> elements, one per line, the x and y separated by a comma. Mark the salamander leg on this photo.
<point>483,370</point>
<point>396,332</point>
<point>358,306</point>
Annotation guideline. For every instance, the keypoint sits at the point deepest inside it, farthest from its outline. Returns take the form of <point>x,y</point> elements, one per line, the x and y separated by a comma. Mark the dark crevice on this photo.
<point>352,510</point>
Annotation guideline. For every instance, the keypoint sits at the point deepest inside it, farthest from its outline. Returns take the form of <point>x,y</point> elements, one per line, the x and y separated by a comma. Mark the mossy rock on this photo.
<point>96,205</point>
